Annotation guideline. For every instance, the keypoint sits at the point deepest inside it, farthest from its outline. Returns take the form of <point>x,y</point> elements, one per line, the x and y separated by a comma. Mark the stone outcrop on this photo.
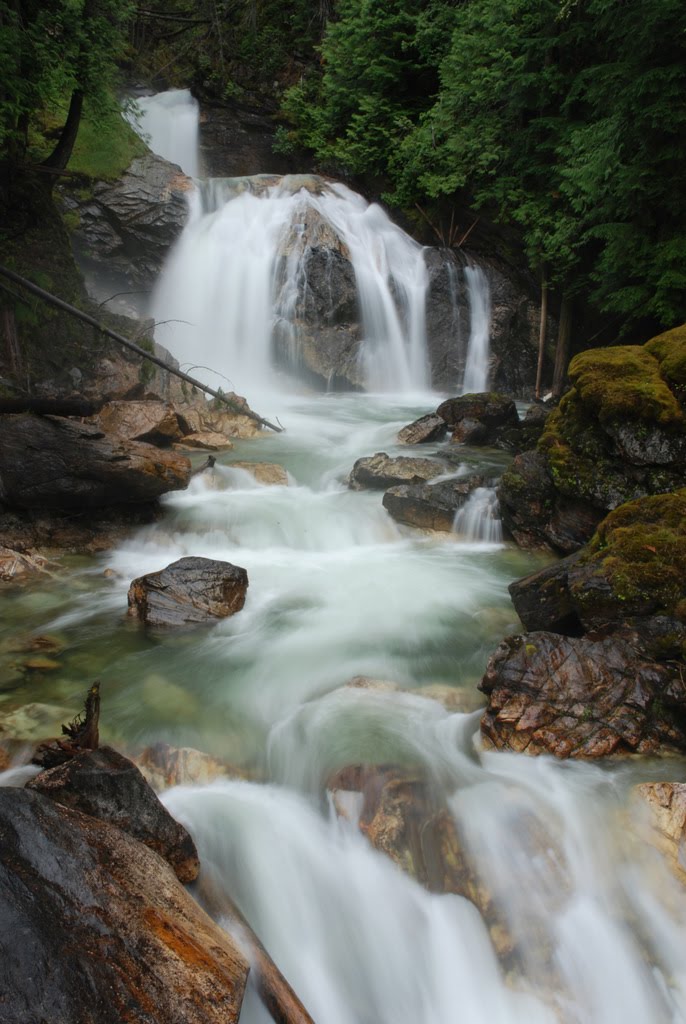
<point>52,462</point>
<point>617,435</point>
<point>108,933</point>
<point>379,471</point>
<point>105,785</point>
<point>581,697</point>
<point>430,506</point>
<point>130,224</point>
<point>188,592</point>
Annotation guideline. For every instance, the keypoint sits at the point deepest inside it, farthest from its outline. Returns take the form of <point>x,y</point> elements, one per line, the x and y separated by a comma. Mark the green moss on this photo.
<point>624,382</point>
<point>670,351</point>
<point>641,550</point>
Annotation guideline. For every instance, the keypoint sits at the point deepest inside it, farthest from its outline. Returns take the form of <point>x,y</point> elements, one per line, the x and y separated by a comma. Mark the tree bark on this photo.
<point>562,350</point>
<point>60,156</point>
<point>541,332</point>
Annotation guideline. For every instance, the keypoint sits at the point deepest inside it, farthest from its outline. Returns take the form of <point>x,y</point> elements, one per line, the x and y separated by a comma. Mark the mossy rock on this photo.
<point>670,351</point>
<point>641,550</point>
<point>625,383</point>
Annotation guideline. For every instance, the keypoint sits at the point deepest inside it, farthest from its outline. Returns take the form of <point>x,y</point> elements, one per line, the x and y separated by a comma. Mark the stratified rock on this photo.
<point>188,592</point>
<point>580,697</point>
<point>666,803</point>
<point>150,421</point>
<point>96,927</point>
<point>479,419</point>
<point>377,472</point>
<point>425,429</point>
<point>107,786</point>
<point>430,506</point>
<point>164,766</point>
<point>50,462</point>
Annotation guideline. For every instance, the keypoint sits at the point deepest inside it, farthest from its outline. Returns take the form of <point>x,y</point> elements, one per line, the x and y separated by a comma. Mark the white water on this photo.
<point>479,517</point>
<point>476,368</point>
<point>168,123</point>
<point>337,590</point>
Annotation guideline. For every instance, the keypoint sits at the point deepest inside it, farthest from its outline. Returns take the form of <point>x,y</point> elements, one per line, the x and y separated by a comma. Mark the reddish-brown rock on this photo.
<point>188,592</point>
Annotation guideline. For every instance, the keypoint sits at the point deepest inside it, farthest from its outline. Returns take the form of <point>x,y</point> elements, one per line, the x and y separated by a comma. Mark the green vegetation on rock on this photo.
<point>624,382</point>
<point>670,351</point>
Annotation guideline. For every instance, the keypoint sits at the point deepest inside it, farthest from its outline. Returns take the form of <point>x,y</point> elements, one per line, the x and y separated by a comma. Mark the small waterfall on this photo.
<point>479,519</point>
<point>168,122</point>
<point>479,293</point>
<point>240,268</point>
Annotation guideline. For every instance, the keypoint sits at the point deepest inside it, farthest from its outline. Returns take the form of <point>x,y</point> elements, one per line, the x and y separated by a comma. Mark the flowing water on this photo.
<point>168,122</point>
<point>338,591</point>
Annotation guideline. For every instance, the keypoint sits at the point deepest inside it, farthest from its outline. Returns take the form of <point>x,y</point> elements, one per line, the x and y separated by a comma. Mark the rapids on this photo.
<point>337,590</point>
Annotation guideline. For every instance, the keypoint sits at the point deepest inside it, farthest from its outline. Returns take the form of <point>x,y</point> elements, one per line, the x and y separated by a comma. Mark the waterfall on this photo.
<point>168,123</point>
<point>479,294</point>
<point>241,267</point>
<point>479,519</point>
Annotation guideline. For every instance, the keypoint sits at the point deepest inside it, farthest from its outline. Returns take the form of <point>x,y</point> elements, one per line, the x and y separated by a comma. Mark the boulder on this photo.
<point>425,429</point>
<point>377,472</point>
<point>479,419</point>
<point>188,592</point>
<point>430,506</point>
<point>164,766</point>
<point>17,565</point>
<point>210,417</point>
<point>617,435</point>
<point>107,786</point>
<point>580,697</point>
<point>51,462</point>
<point>151,421</point>
<point>207,440</point>
<point>108,933</point>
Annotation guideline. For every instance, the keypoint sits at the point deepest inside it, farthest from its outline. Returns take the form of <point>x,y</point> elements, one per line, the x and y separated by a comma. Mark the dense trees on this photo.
<point>564,118</point>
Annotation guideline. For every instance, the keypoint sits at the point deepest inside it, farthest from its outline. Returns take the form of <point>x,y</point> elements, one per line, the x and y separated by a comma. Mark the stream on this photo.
<point>339,591</point>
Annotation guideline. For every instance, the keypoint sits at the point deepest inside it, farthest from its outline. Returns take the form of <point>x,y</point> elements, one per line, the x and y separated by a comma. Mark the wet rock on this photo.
<point>208,440</point>
<point>425,429</point>
<point>153,422</point>
<point>479,419</point>
<point>430,506</point>
<point>203,418</point>
<point>51,462</point>
<point>580,697</point>
<point>188,592</point>
<point>377,472</point>
<point>18,565</point>
<point>267,473</point>
<point>164,766</point>
<point>129,225</point>
<point>105,785</point>
<point>86,532</point>
<point>108,933</point>
<point>543,601</point>
<point>666,805</point>
<point>33,722</point>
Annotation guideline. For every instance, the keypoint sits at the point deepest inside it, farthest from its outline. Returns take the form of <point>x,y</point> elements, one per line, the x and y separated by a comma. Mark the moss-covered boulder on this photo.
<point>618,434</point>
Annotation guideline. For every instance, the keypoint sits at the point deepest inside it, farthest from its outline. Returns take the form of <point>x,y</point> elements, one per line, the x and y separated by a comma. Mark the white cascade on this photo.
<point>168,123</point>
<point>476,367</point>
<point>479,519</point>
<point>240,266</point>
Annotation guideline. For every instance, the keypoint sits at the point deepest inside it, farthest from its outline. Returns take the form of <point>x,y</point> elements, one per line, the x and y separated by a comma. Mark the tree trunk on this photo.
<point>541,332</point>
<point>59,158</point>
<point>562,350</point>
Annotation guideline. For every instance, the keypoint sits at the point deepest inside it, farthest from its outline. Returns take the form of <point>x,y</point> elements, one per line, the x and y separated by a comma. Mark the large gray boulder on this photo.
<point>188,592</point>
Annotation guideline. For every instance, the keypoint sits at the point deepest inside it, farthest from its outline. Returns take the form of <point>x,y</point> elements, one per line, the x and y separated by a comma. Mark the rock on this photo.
<point>51,462</point>
<point>377,472</point>
<point>40,664</point>
<point>460,700</point>
<point>188,592</point>
<point>479,419</point>
<point>425,429</point>
<point>619,434</point>
<point>267,473</point>
<point>430,506</point>
<point>542,599</point>
<point>164,766</point>
<point>130,224</point>
<point>203,418</point>
<point>33,722</point>
<point>153,422</point>
<point>209,440</point>
<point>666,803</point>
<point>87,532</point>
<point>17,565</point>
<point>105,785</point>
<point>235,141</point>
<point>580,697</point>
<point>107,931</point>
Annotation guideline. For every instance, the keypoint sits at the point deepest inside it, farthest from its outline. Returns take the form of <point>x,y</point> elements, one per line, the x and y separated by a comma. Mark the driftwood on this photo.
<point>276,994</point>
<point>50,406</point>
<point>82,734</point>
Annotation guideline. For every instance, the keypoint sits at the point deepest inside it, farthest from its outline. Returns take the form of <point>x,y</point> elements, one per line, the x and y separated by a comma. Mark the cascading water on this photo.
<point>479,517</point>
<point>168,122</point>
<point>476,368</point>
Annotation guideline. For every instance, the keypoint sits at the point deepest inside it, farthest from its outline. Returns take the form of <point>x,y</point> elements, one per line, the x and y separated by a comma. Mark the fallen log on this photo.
<point>276,994</point>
